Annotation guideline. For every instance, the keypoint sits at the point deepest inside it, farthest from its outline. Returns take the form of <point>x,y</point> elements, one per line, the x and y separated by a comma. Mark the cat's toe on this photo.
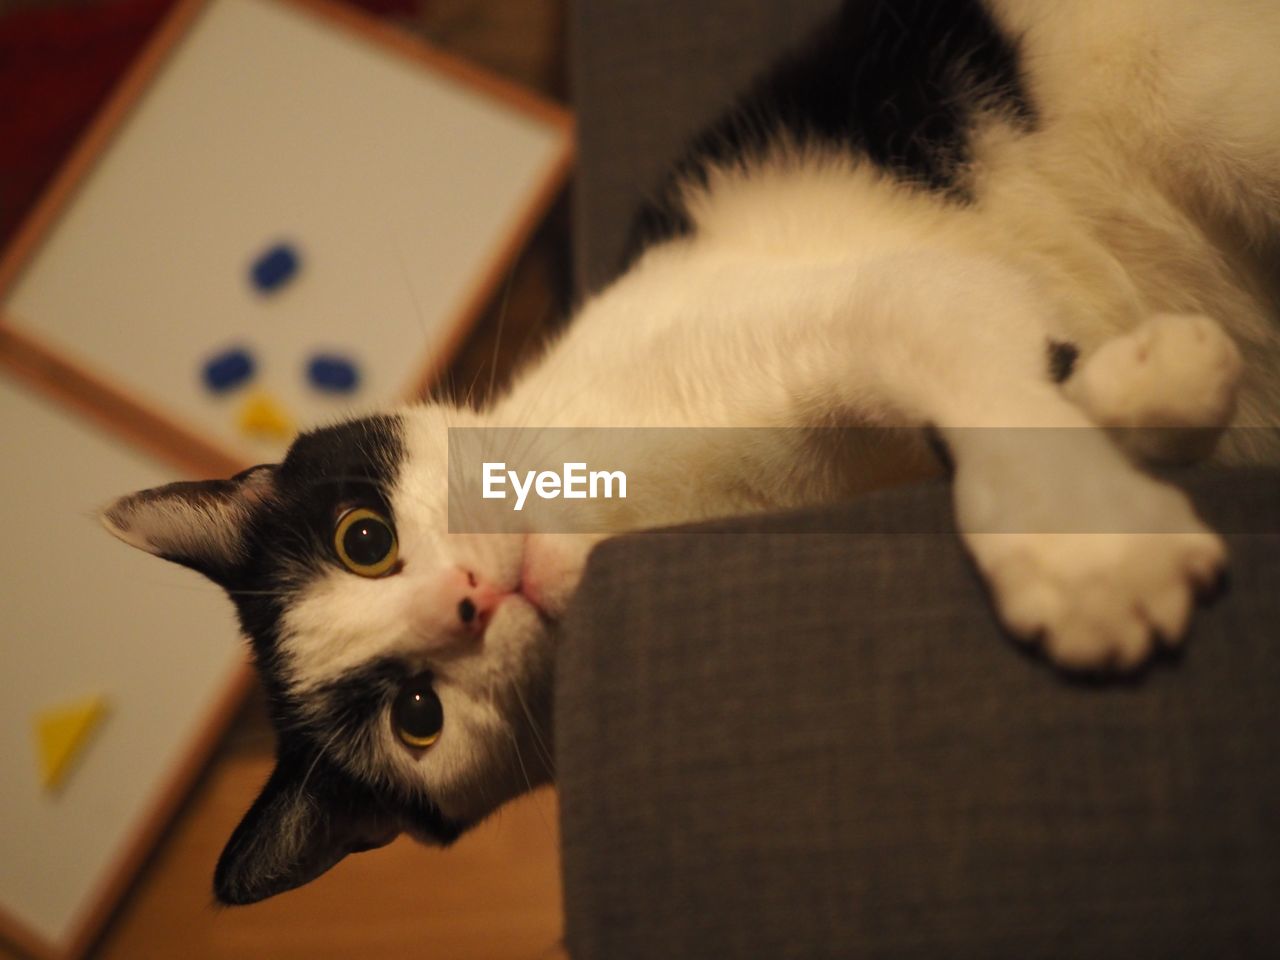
<point>1168,610</point>
<point>1098,601</point>
<point>1089,640</point>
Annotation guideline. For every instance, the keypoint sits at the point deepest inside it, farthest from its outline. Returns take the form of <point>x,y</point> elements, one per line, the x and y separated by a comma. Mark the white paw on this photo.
<point>1094,560</point>
<point>1098,601</point>
<point>1174,370</point>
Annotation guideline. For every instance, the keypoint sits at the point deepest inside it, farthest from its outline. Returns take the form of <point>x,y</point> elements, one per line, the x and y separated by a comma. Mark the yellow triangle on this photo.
<point>61,733</point>
<point>261,416</point>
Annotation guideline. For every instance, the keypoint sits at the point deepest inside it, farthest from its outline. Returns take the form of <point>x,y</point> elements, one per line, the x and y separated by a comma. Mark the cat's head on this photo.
<point>408,669</point>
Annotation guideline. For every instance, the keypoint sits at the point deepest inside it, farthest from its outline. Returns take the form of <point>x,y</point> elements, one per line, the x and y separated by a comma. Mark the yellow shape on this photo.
<point>261,416</point>
<point>61,733</point>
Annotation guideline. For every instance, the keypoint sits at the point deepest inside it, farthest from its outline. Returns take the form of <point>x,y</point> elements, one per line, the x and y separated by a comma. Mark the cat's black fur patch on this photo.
<point>349,709</point>
<point>290,540</point>
<point>351,702</point>
<point>896,81</point>
<point>1062,360</point>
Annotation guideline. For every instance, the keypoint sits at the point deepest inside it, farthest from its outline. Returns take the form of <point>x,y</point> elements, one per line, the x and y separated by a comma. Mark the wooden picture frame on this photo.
<point>121,411</point>
<point>115,402</point>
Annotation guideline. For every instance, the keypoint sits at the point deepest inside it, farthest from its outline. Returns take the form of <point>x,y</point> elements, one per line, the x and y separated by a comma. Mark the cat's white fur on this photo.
<point>1134,222</point>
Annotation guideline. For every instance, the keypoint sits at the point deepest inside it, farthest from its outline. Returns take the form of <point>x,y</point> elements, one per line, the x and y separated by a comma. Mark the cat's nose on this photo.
<point>478,602</point>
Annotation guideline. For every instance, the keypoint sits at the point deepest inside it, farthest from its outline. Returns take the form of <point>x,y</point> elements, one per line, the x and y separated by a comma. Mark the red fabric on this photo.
<point>57,67</point>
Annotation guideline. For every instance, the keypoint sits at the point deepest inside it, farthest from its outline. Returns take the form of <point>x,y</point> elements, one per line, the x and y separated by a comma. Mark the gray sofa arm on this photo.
<point>817,744</point>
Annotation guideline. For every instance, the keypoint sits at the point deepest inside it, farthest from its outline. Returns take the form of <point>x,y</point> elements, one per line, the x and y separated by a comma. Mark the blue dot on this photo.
<point>274,268</point>
<point>333,373</point>
<point>228,369</point>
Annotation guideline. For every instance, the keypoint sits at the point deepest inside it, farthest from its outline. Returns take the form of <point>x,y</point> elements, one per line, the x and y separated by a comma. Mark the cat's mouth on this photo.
<point>528,587</point>
<point>526,592</point>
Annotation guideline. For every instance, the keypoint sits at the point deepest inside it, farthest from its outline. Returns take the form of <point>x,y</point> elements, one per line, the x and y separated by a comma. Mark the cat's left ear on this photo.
<point>199,524</point>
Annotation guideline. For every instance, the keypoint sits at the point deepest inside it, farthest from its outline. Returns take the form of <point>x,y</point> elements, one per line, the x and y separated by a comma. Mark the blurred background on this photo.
<point>496,893</point>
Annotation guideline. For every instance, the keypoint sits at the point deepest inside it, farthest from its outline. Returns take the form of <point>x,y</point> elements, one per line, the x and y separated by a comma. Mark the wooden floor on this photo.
<point>496,893</point>
<point>493,895</point>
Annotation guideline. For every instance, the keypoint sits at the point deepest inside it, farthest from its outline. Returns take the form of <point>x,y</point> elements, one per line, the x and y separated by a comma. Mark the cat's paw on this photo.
<point>1175,370</point>
<point>1098,601</point>
<point>1169,385</point>
<point>1084,554</point>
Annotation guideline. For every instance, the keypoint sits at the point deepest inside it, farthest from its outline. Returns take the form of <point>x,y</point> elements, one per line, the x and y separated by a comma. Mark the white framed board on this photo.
<point>402,184</point>
<point>151,645</point>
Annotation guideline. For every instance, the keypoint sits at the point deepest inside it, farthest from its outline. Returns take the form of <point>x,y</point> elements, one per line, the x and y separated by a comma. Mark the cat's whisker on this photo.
<point>419,313</point>
<point>324,749</point>
<point>469,401</point>
<point>535,330</point>
<point>502,322</point>
<point>515,749</point>
<point>539,742</point>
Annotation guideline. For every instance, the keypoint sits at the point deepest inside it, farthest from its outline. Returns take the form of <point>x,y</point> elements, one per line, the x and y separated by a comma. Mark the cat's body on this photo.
<point>912,221</point>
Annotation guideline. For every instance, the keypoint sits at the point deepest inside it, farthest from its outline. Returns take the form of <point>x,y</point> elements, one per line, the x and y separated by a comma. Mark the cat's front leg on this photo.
<point>1166,390</point>
<point>1085,555</point>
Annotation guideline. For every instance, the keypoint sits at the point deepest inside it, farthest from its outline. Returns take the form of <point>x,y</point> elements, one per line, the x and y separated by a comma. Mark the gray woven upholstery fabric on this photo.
<point>820,745</point>
<point>646,74</point>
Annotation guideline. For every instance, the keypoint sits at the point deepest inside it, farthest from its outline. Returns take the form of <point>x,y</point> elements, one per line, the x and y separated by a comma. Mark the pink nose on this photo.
<point>477,603</point>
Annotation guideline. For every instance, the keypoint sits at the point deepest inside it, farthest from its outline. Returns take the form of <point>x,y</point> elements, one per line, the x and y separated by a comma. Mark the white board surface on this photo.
<point>395,184</point>
<point>84,615</point>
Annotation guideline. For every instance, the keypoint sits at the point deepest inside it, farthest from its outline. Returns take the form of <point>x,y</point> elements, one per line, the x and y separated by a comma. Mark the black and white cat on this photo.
<point>926,219</point>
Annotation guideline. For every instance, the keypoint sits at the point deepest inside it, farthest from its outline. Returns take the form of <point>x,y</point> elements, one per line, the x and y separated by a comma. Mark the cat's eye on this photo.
<point>416,714</point>
<point>365,542</point>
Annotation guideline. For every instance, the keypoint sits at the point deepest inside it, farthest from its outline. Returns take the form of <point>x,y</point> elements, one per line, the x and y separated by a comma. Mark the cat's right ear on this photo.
<point>309,816</point>
<point>199,524</point>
